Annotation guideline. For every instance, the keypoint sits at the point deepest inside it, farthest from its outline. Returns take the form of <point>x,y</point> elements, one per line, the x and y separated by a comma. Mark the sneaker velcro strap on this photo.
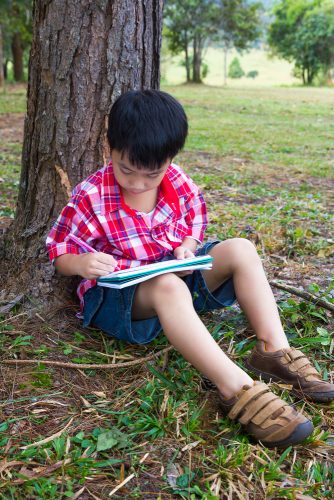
<point>257,389</point>
<point>256,406</point>
<point>299,364</point>
<point>286,426</point>
<point>267,412</point>
<point>293,354</point>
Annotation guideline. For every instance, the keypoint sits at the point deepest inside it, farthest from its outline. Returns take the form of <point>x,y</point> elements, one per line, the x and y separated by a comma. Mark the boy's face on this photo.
<point>133,180</point>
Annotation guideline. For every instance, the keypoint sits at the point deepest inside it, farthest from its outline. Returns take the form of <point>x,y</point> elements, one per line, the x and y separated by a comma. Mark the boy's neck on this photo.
<point>145,202</point>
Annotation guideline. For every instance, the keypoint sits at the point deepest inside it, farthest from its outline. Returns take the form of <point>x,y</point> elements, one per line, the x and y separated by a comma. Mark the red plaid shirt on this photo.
<point>98,215</point>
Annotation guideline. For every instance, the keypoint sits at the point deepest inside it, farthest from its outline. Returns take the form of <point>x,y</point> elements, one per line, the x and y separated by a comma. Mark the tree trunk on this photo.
<point>2,76</point>
<point>310,76</point>
<point>197,60</point>
<point>17,51</point>
<point>187,60</point>
<point>5,69</point>
<point>84,55</point>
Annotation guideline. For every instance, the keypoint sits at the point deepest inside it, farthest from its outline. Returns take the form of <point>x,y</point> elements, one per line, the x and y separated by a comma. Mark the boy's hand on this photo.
<point>94,265</point>
<point>183,253</point>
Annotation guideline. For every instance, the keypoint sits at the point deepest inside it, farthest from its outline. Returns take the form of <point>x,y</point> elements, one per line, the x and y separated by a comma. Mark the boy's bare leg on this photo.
<point>168,297</point>
<point>238,258</point>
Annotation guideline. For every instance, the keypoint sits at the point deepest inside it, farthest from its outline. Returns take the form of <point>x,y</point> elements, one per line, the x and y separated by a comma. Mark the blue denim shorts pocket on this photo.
<point>110,310</point>
<point>93,301</point>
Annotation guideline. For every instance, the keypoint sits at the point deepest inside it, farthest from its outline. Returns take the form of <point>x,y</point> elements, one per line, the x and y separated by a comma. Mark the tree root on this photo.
<point>304,295</point>
<point>82,366</point>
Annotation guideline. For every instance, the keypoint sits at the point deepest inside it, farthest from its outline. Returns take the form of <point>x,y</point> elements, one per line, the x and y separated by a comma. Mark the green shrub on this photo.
<point>205,70</point>
<point>252,74</point>
<point>235,70</point>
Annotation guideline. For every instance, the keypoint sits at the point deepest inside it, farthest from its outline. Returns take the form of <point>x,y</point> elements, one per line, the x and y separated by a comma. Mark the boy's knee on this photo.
<point>168,285</point>
<point>239,249</point>
<point>243,245</point>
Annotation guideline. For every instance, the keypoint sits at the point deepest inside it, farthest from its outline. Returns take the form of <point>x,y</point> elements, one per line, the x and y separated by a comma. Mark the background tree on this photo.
<point>84,54</point>
<point>239,25</point>
<point>190,25</point>
<point>16,26</point>
<point>303,32</point>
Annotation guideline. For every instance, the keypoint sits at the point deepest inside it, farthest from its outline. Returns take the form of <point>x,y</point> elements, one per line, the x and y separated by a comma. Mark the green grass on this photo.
<point>271,70</point>
<point>264,159</point>
<point>13,99</point>
<point>12,107</point>
<point>280,128</point>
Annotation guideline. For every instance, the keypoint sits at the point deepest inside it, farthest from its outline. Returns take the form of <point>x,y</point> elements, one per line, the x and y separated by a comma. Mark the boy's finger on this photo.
<point>101,272</point>
<point>189,254</point>
<point>105,258</point>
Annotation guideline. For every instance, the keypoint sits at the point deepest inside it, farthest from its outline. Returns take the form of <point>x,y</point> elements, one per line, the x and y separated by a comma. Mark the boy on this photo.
<point>141,208</point>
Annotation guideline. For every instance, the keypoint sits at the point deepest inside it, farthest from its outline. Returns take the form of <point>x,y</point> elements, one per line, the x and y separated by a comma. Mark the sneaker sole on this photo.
<point>316,397</point>
<point>301,432</point>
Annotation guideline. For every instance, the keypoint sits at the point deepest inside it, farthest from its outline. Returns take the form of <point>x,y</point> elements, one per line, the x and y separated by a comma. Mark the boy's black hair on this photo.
<point>149,125</point>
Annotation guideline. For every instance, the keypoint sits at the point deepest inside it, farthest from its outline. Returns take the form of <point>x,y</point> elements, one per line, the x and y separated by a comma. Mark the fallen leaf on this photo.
<point>172,474</point>
<point>100,394</point>
<point>326,252</point>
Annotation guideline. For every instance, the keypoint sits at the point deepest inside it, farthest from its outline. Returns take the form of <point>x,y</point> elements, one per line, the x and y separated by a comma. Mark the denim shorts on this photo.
<point>109,309</point>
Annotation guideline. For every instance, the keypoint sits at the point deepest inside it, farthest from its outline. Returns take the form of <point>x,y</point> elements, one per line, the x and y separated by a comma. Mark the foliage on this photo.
<point>303,32</point>
<point>235,70</point>
<point>239,23</point>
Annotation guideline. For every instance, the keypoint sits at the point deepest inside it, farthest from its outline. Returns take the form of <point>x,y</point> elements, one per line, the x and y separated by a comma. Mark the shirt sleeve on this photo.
<point>196,218</point>
<point>76,218</point>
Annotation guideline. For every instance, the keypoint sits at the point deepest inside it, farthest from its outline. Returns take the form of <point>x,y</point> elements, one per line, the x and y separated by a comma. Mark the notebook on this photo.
<point>134,275</point>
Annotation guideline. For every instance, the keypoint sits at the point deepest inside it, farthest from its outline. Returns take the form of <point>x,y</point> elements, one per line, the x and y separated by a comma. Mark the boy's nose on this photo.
<point>137,186</point>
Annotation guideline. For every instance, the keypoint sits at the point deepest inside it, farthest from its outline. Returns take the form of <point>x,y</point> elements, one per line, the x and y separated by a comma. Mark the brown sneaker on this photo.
<point>292,367</point>
<point>266,417</point>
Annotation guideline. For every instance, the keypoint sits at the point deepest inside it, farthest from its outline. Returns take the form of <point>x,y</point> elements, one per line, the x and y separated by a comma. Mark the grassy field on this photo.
<point>271,70</point>
<point>264,158</point>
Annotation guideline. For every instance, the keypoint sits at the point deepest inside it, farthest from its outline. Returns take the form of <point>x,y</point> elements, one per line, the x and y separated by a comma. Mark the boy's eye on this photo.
<point>154,175</point>
<point>125,172</point>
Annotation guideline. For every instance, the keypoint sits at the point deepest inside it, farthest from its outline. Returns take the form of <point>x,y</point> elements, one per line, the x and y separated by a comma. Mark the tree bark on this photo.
<point>17,52</point>
<point>197,59</point>
<point>187,59</point>
<point>84,55</point>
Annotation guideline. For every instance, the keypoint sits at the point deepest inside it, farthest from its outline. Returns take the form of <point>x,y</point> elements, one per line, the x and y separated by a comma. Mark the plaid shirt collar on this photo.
<point>112,197</point>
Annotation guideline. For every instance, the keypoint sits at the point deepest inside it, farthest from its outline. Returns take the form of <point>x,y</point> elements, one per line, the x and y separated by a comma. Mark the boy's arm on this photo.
<point>78,220</point>
<point>87,265</point>
<point>196,220</point>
